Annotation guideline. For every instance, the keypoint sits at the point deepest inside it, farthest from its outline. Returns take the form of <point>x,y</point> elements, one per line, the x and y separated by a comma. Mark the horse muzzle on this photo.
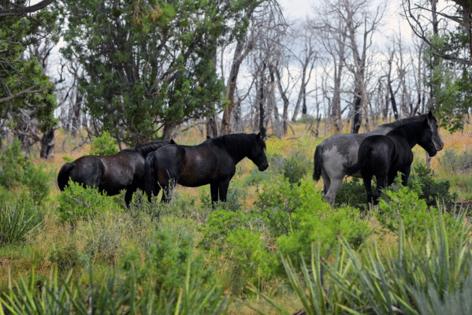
<point>433,152</point>
<point>263,167</point>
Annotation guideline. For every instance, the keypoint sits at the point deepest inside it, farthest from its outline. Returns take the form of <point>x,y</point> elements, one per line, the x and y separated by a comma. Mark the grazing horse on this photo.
<point>211,162</point>
<point>383,156</point>
<point>335,154</point>
<point>112,173</point>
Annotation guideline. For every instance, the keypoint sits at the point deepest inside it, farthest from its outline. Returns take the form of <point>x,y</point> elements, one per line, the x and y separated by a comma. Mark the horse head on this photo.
<point>430,139</point>
<point>257,151</point>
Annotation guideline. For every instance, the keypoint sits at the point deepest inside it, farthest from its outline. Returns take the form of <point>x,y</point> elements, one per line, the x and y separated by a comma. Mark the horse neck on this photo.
<point>237,146</point>
<point>145,149</point>
<point>409,132</point>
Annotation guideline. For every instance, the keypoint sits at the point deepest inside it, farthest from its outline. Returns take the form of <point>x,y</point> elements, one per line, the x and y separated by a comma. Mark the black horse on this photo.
<point>383,156</point>
<point>112,173</point>
<point>211,162</point>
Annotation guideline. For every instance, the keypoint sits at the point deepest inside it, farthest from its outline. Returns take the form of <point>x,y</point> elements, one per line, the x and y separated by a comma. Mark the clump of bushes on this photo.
<point>82,203</point>
<point>315,221</point>
<point>295,167</point>
<point>103,145</point>
<point>352,193</point>
<point>431,189</point>
<point>240,240</point>
<point>17,172</point>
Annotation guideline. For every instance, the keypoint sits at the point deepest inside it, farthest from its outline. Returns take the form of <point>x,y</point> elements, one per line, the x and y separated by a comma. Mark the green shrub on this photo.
<point>65,257</point>
<point>278,193</point>
<point>402,205</point>
<point>104,145</point>
<point>295,167</point>
<point>77,202</point>
<point>315,221</point>
<point>431,190</point>
<point>219,224</point>
<point>352,193</point>
<point>250,260</point>
<point>19,216</point>
<point>18,172</point>
<point>170,253</point>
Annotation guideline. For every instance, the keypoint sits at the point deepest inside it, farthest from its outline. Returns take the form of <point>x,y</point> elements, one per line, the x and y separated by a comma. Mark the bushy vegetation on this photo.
<point>275,238</point>
<point>17,172</point>
<point>103,145</point>
<point>415,277</point>
<point>77,202</point>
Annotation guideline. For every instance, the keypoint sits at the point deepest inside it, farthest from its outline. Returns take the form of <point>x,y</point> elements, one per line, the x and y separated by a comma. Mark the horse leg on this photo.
<point>382,180</point>
<point>223,189</point>
<point>129,195</point>
<point>335,184</point>
<point>367,178</point>
<point>326,182</point>
<point>214,193</point>
<point>405,175</point>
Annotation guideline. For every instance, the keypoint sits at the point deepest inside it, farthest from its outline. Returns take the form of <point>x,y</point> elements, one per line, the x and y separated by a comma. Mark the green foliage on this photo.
<point>314,221</point>
<point>170,254</point>
<point>451,81</point>
<point>65,257</point>
<point>19,216</point>
<point>431,189</point>
<point>77,202</point>
<point>295,167</point>
<point>103,145</point>
<point>18,172</point>
<point>404,206</point>
<point>114,294</point>
<point>219,224</point>
<point>157,61</point>
<point>414,278</point>
<point>278,194</point>
<point>352,193</point>
<point>25,88</point>
<point>250,260</point>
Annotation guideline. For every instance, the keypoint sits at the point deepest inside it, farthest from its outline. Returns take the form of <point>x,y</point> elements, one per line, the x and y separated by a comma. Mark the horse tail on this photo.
<point>317,161</point>
<point>64,175</point>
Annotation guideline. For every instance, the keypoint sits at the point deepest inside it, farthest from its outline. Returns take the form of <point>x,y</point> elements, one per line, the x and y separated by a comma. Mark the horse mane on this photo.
<point>405,121</point>
<point>237,144</point>
<point>146,148</point>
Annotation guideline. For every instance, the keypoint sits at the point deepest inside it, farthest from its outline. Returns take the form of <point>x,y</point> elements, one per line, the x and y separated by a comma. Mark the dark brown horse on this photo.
<point>211,162</point>
<point>383,156</point>
<point>112,173</point>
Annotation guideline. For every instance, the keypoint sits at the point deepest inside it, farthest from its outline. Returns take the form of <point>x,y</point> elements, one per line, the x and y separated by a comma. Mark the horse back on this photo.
<point>87,171</point>
<point>122,170</point>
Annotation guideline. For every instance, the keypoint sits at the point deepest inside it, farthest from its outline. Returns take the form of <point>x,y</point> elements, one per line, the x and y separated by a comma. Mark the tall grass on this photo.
<point>116,294</point>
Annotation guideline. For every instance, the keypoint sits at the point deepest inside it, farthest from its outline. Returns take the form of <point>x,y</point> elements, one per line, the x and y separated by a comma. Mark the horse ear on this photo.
<point>430,115</point>
<point>262,133</point>
<point>171,141</point>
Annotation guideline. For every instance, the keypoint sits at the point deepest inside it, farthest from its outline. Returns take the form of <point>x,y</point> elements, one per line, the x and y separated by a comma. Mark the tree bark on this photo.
<point>47,144</point>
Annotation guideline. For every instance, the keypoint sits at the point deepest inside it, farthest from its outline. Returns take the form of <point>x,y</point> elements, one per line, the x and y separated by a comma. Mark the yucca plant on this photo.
<point>17,219</point>
<point>116,294</point>
<point>413,278</point>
